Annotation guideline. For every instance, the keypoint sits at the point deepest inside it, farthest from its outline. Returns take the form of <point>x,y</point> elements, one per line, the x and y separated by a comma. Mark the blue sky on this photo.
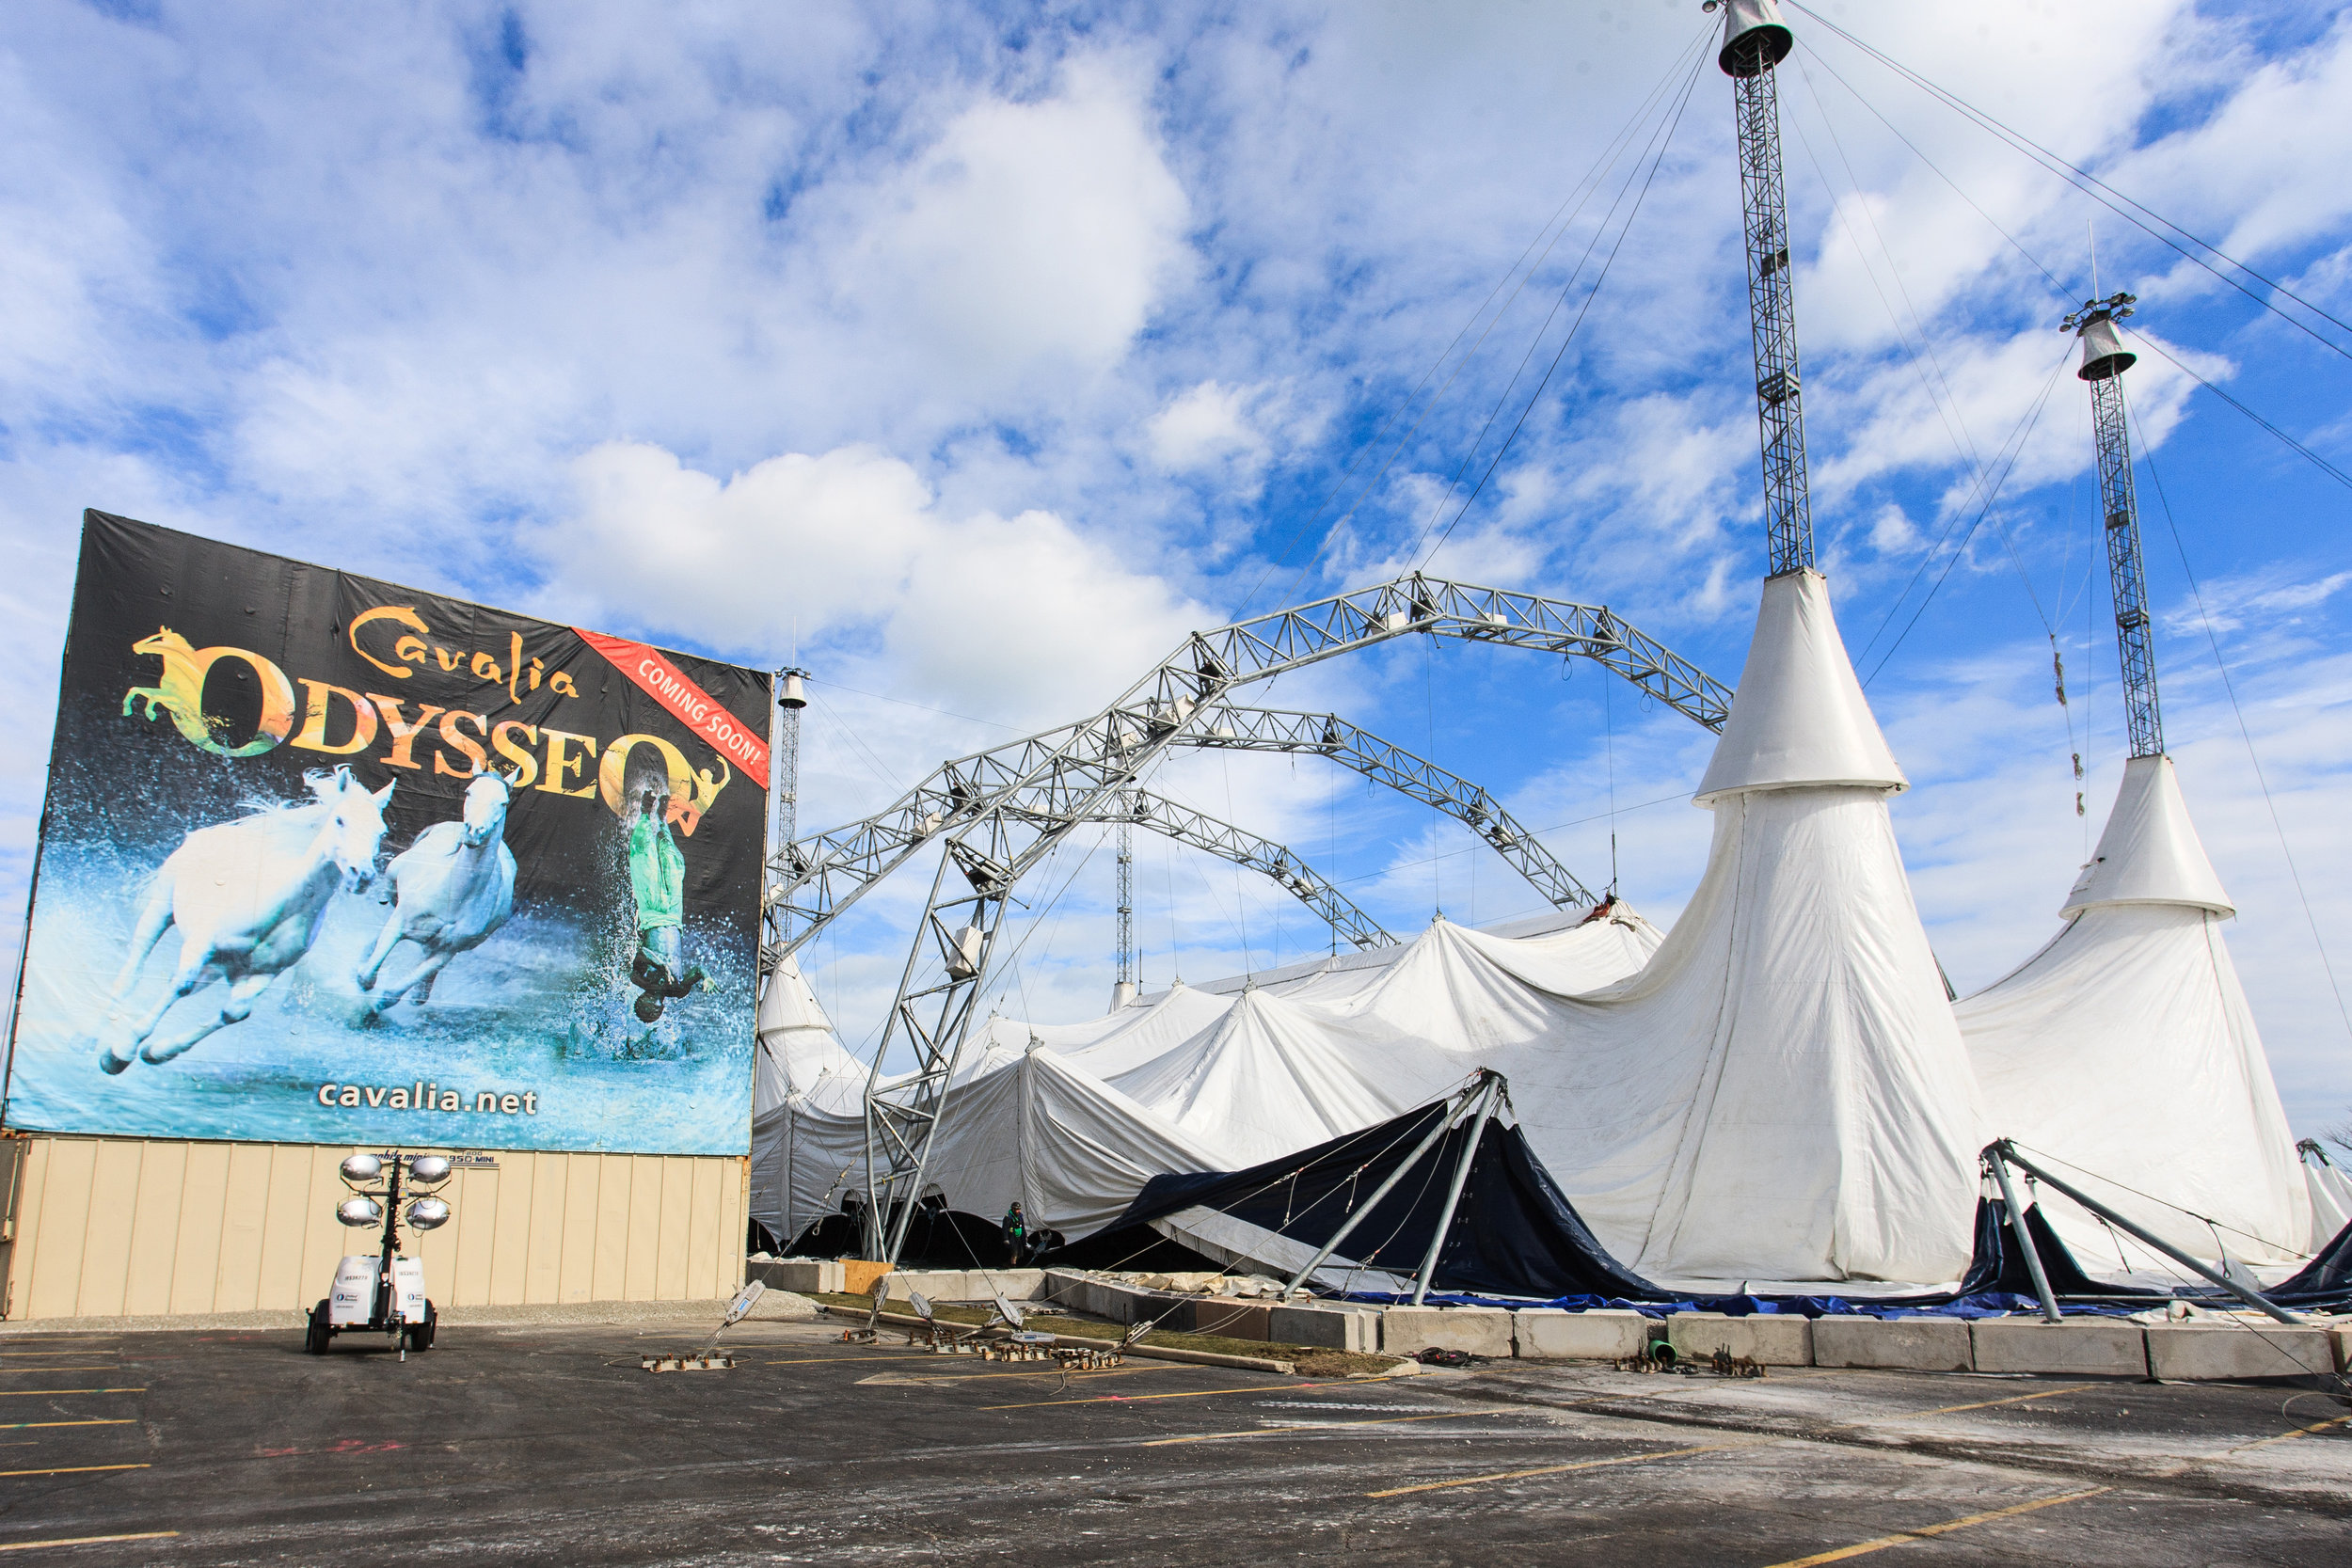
<point>980,352</point>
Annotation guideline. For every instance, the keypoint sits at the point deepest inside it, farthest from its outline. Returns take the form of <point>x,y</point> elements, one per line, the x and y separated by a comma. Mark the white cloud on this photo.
<point>1208,426</point>
<point>2270,601</point>
<point>1030,238</point>
<point>1010,616</point>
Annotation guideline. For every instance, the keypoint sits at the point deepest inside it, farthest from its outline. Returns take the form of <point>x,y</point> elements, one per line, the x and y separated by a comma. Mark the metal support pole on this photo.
<point>2024,1236</point>
<point>1445,1125</point>
<point>1454,1193</point>
<point>2253,1298</point>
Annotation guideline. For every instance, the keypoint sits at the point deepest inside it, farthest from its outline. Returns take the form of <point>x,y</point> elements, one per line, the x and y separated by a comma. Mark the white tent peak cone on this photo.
<point>1815,1110</point>
<point>2149,852</point>
<point>1800,718</point>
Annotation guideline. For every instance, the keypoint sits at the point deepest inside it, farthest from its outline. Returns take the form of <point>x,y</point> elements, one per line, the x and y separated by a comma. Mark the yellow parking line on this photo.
<point>61,1339</point>
<point>1191,1393</point>
<point>1987,1404</point>
<point>1329,1426</point>
<point>35,1393</point>
<point>84,1540</point>
<point>943,1375</point>
<point>112,1421</point>
<point>1923,1533</point>
<point>1563,1469</point>
<point>2299,1432</point>
<point>73,1469</point>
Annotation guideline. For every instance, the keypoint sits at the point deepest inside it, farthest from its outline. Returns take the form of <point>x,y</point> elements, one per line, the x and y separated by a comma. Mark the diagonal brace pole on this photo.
<point>1445,1124</point>
<point>1454,1194</point>
<point>2024,1236</point>
<point>2253,1298</point>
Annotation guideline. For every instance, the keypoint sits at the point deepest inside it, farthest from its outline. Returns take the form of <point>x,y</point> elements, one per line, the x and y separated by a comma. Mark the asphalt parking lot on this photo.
<point>547,1443</point>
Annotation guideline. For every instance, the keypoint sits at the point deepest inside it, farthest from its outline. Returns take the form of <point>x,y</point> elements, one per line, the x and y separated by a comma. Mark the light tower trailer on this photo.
<point>383,1291</point>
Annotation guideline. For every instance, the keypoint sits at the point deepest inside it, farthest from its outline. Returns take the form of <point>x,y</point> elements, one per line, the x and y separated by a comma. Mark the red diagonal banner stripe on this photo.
<point>694,707</point>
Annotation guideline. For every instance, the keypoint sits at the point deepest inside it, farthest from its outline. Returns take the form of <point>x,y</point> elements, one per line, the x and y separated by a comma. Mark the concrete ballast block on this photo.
<point>1604,1334</point>
<point>1909,1344</point>
<point>810,1277</point>
<point>969,1284</point>
<point>2079,1347</point>
<point>1774,1338</point>
<point>1326,1328</point>
<point>1479,1330</point>
<point>2191,1352</point>
<point>1234,1320</point>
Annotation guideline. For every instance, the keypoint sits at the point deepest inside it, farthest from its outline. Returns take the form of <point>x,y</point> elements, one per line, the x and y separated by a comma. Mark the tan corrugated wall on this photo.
<point>115,1225</point>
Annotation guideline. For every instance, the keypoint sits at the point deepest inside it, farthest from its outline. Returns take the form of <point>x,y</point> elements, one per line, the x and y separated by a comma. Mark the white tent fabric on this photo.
<point>1262,1082</point>
<point>799,1077</point>
<point>2125,1048</point>
<point>2330,1193</point>
<point>1163,1086</point>
<point>1782,1092</point>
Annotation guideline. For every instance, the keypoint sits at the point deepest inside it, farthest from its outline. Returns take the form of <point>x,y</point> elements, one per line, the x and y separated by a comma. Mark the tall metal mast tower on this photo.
<point>2105,360</point>
<point>1123,992</point>
<point>791,697</point>
<point>1755,41</point>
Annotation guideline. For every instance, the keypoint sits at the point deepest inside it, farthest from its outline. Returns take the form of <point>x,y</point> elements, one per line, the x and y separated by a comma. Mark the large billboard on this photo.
<point>331,860</point>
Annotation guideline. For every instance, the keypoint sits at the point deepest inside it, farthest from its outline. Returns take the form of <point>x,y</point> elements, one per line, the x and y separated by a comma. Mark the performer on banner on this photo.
<point>656,875</point>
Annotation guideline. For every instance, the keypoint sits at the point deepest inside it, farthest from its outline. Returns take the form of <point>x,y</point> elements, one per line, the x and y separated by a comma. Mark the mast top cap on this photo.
<point>2103,353</point>
<point>1755,37</point>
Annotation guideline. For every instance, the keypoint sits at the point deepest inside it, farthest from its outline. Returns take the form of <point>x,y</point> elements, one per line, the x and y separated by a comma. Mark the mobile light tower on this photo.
<point>384,1291</point>
<point>1756,40</point>
<point>2105,360</point>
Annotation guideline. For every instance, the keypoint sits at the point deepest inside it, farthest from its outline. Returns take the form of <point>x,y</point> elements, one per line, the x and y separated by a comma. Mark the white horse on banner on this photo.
<point>451,889</point>
<point>248,897</point>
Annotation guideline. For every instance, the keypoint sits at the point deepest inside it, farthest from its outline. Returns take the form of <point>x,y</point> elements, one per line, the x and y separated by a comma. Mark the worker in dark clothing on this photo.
<point>1016,1228</point>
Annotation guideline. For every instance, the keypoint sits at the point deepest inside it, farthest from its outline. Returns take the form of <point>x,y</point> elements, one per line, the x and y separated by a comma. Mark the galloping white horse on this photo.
<point>249,896</point>
<point>452,888</point>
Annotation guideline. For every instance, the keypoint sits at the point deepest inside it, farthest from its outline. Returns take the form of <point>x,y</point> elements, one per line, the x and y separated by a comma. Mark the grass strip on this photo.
<point>1311,1360</point>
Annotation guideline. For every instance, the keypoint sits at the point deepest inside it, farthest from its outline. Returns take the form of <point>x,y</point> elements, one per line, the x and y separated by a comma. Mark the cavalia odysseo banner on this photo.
<point>327,860</point>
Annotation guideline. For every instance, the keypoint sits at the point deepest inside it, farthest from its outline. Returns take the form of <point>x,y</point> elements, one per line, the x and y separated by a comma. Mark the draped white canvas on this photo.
<point>2125,1048</point>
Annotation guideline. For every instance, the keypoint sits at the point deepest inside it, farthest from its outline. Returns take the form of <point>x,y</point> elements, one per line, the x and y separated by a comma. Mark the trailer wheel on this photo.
<point>319,1334</point>
<point>420,1336</point>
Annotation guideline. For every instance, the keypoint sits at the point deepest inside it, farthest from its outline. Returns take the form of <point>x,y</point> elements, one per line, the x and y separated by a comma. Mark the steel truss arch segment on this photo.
<point>820,877</point>
<point>1232,727</point>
